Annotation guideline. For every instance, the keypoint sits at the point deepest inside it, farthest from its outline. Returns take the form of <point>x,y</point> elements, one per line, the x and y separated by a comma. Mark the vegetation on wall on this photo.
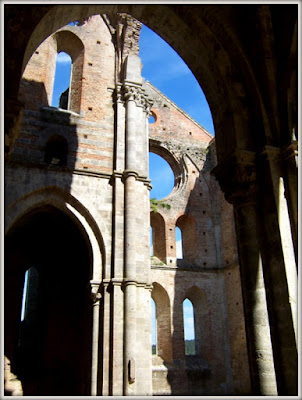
<point>154,203</point>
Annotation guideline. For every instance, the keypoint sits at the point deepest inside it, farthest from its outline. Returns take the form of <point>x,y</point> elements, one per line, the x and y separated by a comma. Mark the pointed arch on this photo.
<point>186,223</point>
<point>49,350</point>
<point>202,322</point>
<point>158,226</point>
<point>163,321</point>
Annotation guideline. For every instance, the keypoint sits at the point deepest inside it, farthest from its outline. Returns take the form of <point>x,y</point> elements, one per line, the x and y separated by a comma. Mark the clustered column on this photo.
<point>95,297</point>
<point>250,183</point>
<point>132,177</point>
<point>238,181</point>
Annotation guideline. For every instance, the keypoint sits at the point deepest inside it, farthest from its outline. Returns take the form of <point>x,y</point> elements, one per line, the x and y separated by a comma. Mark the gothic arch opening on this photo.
<point>158,236</point>
<point>186,224</point>
<point>202,325</point>
<point>60,95</point>
<point>163,322</point>
<point>50,350</point>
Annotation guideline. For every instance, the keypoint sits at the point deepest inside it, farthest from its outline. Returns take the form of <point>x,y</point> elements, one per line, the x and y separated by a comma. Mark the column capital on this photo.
<point>95,293</point>
<point>290,152</point>
<point>270,153</point>
<point>237,177</point>
<point>128,172</point>
<point>129,91</point>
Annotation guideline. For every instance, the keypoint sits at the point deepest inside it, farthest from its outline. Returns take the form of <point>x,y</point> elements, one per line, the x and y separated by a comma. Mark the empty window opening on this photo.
<point>30,293</point>
<point>189,327</point>
<point>24,296</point>
<point>60,97</point>
<point>28,329</point>
<point>56,150</point>
<point>161,175</point>
<point>178,239</point>
<point>153,327</point>
<point>152,118</point>
<point>151,242</point>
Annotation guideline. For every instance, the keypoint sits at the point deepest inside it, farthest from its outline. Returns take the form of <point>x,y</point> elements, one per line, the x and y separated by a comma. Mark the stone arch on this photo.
<point>202,322</point>
<point>67,203</point>
<point>186,223</point>
<point>71,44</point>
<point>178,167</point>
<point>38,92</point>
<point>223,82</point>
<point>158,226</point>
<point>50,353</point>
<point>163,321</point>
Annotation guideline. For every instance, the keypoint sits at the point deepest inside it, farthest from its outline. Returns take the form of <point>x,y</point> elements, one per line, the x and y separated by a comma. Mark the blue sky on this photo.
<point>163,67</point>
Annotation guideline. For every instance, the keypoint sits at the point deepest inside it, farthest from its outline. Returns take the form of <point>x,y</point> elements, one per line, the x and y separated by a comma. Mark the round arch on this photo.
<point>178,167</point>
<point>67,203</point>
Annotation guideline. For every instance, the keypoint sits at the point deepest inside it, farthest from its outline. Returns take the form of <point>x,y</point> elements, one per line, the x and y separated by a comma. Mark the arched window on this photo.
<point>152,118</point>
<point>30,293</point>
<point>60,96</point>
<point>161,175</point>
<point>69,71</point>
<point>56,150</point>
<point>186,224</point>
<point>28,333</point>
<point>153,327</point>
<point>189,327</point>
<point>158,237</point>
<point>178,239</point>
<point>162,317</point>
<point>197,323</point>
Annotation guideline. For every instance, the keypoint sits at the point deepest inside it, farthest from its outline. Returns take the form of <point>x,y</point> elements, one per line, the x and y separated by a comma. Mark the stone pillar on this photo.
<point>290,162</point>
<point>130,284</point>
<point>135,179</point>
<point>136,273</point>
<point>96,297</point>
<point>280,273</point>
<point>237,177</point>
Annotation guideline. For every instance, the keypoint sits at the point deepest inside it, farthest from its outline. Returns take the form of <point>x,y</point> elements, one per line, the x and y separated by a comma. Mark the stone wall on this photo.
<point>91,162</point>
<point>209,269</point>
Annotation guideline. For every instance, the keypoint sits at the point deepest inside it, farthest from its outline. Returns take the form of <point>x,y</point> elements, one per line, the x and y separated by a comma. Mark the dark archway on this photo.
<point>50,353</point>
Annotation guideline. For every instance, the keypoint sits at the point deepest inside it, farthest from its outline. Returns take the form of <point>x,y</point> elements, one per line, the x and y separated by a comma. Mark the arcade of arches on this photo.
<point>78,216</point>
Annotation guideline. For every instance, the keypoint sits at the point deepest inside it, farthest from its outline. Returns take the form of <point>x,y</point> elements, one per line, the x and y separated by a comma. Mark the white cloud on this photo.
<point>63,58</point>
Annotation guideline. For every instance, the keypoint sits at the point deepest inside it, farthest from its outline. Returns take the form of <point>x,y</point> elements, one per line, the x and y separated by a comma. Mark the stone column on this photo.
<point>96,297</point>
<point>134,211</point>
<point>280,273</point>
<point>237,177</point>
<point>130,176</point>
<point>290,161</point>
